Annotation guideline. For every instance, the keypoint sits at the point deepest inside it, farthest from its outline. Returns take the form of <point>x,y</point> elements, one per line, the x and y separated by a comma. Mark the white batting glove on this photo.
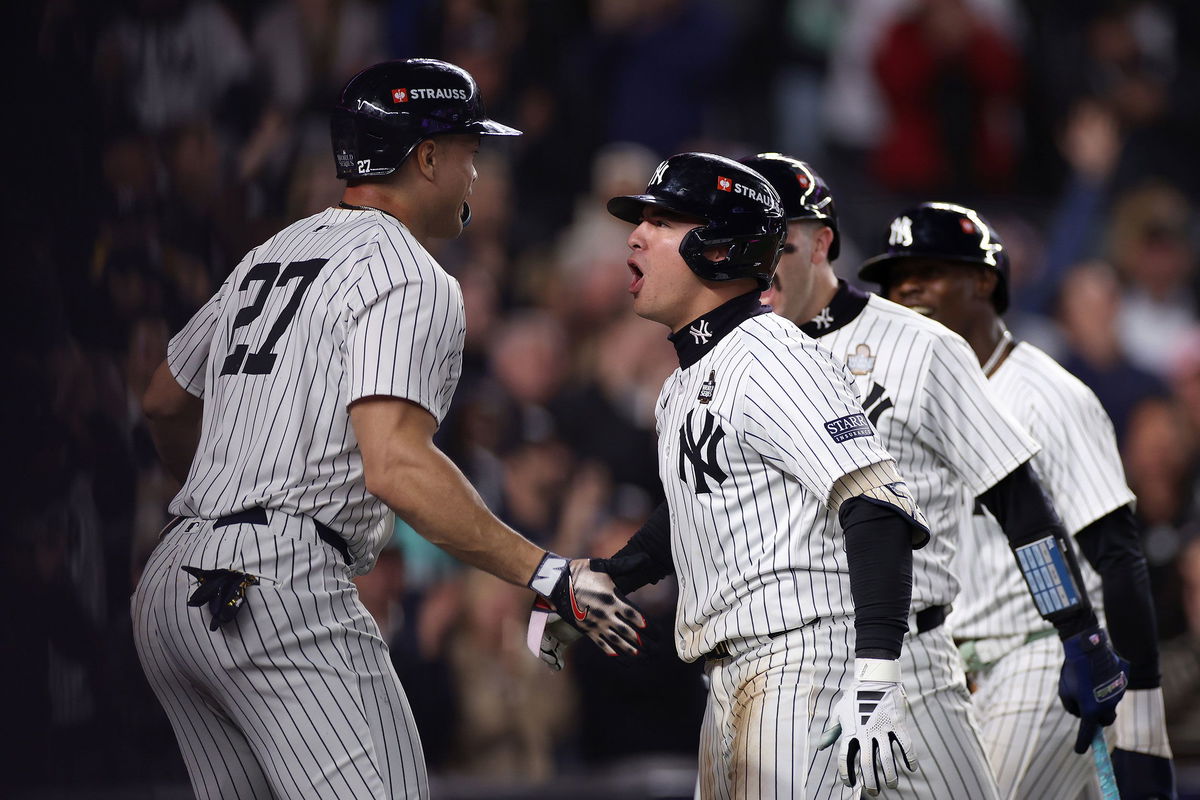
<point>549,635</point>
<point>589,601</point>
<point>870,721</point>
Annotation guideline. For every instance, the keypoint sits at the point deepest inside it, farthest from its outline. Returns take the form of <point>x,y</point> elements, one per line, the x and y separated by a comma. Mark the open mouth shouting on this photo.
<point>635,285</point>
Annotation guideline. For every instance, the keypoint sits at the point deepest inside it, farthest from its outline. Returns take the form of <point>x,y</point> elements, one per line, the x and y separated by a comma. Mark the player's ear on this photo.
<point>425,156</point>
<point>822,241</point>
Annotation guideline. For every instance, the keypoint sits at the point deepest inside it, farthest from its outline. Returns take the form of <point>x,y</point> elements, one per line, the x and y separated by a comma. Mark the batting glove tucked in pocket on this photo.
<point>870,721</point>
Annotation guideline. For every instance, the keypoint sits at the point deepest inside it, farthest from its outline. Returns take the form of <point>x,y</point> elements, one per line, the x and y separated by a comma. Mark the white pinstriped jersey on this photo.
<point>922,389</point>
<point>1080,467</point>
<point>342,305</point>
<point>752,438</point>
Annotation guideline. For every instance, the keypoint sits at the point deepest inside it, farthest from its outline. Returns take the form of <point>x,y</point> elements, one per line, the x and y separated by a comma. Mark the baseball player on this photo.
<point>947,262</point>
<point>933,412</point>
<point>298,405</point>
<point>763,451</point>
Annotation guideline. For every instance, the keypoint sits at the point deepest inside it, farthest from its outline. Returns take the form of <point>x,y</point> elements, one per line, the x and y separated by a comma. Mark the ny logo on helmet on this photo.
<point>901,232</point>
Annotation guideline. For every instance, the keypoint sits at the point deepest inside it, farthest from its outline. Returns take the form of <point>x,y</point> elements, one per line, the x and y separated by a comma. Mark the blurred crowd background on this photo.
<point>161,139</point>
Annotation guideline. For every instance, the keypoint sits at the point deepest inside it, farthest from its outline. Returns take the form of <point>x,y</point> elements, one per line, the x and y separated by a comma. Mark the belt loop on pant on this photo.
<point>258,516</point>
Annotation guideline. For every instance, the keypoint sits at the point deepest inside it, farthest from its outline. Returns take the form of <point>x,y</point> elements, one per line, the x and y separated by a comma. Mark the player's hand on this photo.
<point>1091,683</point>
<point>549,634</point>
<point>629,573</point>
<point>870,720</point>
<point>590,601</point>
<point>1142,758</point>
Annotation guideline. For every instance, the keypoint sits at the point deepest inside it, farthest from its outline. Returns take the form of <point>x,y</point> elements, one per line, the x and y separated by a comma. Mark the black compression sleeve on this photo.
<point>1020,505</point>
<point>652,541</point>
<point>879,554</point>
<point>1112,546</point>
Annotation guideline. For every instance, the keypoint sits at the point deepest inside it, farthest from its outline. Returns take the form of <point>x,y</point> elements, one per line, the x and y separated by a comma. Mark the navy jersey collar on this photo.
<point>847,304</point>
<point>702,335</point>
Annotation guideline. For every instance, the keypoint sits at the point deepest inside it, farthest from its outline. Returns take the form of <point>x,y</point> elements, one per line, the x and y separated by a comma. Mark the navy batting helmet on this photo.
<point>942,232</point>
<point>387,109</point>
<point>739,207</point>
<point>804,193</point>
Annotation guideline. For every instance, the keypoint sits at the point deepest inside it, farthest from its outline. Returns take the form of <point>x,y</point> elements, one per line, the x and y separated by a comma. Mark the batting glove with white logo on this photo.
<point>589,601</point>
<point>1091,683</point>
<point>870,721</point>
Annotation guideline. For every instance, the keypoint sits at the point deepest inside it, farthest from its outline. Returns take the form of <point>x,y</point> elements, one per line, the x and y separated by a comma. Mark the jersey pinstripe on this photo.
<point>922,389</point>
<point>1080,467</point>
<point>342,305</point>
<point>752,438</point>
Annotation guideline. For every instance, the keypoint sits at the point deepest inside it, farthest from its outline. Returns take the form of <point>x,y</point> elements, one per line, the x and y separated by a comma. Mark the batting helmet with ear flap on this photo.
<point>739,208</point>
<point>804,193</point>
<point>942,232</point>
<point>387,109</point>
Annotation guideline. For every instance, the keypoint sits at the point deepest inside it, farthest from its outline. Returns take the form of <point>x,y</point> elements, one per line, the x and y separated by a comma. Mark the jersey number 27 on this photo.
<point>262,361</point>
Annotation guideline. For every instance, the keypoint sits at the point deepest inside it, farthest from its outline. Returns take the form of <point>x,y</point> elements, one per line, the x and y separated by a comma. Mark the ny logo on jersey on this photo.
<point>690,448</point>
<point>875,403</point>
<point>824,319</point>
<point>901,232</point>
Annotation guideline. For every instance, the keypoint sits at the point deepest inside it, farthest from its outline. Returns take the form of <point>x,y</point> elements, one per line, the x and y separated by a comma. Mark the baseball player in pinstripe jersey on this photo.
<point>920,389</point>
<point>947,262</point>
<point>298,405</point>
<point>763,450</point>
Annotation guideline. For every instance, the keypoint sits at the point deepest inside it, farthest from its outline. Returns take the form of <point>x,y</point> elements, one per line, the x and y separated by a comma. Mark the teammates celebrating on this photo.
<point>837,473</point>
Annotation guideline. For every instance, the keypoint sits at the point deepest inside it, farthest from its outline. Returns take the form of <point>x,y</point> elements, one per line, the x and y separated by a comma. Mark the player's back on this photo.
<point>341,305</point>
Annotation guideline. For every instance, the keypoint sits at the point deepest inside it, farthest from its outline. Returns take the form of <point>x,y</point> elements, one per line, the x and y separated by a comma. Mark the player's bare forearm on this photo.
<point>404,469</point>
<point>173,417</point>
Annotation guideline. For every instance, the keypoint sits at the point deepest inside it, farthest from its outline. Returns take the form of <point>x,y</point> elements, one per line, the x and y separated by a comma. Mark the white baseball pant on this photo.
<point>294,698</point>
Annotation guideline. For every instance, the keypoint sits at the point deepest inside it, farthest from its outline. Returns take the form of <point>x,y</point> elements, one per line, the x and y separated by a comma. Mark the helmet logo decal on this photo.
<point>701,334</point>
<point>438,94</point>
<point>658,173</point>
<point>802,179</point>
<point>901,232</point>
<point>967,226</point>
<point>404,95</point>
<point>724,184</point>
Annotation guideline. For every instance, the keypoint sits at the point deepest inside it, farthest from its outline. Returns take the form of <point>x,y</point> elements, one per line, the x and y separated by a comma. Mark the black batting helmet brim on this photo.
<point>629,207</point>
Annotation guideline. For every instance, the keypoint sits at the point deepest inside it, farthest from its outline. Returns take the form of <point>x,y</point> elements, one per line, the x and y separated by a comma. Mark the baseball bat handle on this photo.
<point>1104,767</point>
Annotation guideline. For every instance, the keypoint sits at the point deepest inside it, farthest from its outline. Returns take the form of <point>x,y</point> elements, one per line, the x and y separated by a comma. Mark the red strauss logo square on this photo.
<point>724,184</point>
<point>399,95</point>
